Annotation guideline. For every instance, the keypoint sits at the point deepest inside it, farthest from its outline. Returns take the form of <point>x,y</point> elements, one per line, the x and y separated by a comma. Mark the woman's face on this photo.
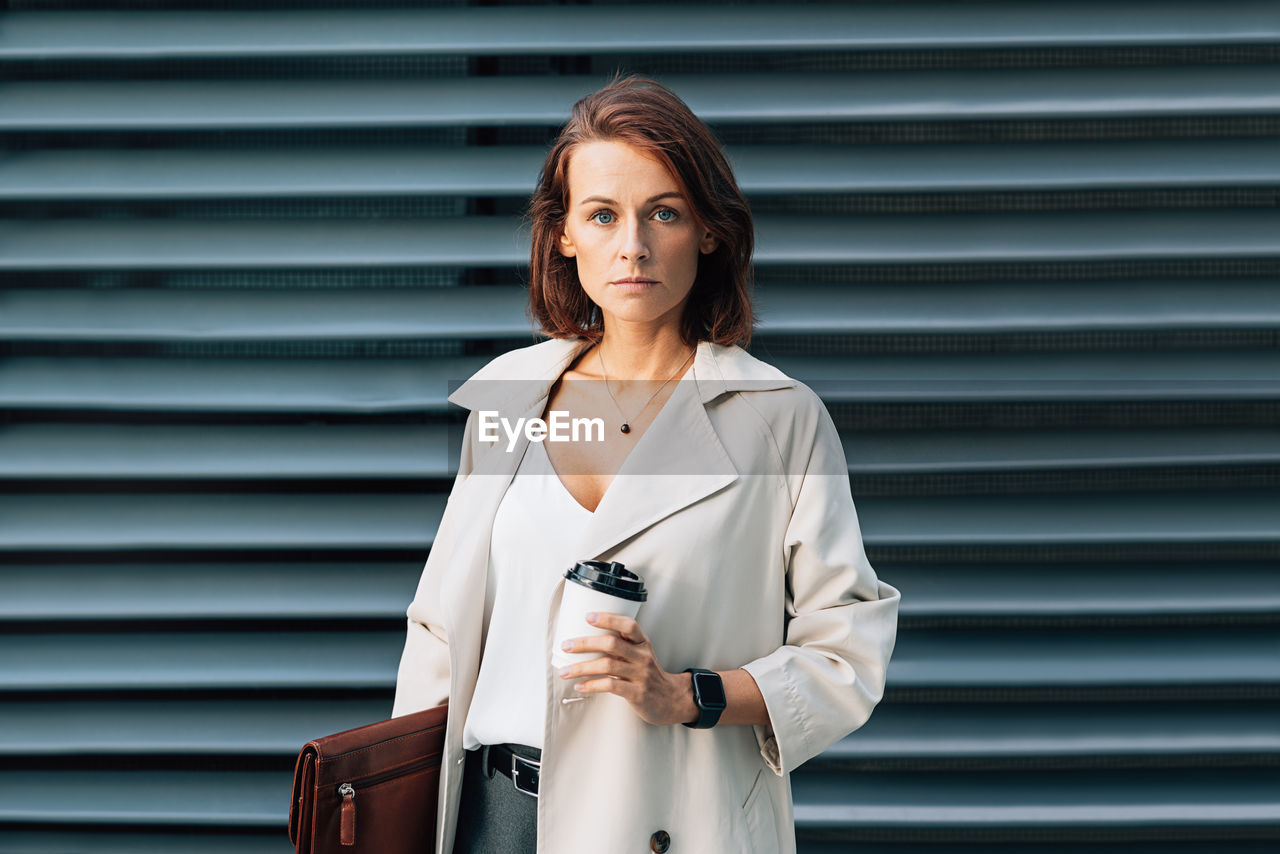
<point>628,220</point>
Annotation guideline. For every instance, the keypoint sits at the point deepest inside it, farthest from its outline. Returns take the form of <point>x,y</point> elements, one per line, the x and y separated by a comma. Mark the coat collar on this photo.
<point>681,444</point>
<point>520,378</point>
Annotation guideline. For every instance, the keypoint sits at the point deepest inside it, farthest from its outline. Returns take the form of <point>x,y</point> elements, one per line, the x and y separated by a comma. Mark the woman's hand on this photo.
<point>631,670</point>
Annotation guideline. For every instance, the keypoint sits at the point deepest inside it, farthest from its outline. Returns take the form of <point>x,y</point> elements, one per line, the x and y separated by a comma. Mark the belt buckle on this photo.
<point>532,769</point>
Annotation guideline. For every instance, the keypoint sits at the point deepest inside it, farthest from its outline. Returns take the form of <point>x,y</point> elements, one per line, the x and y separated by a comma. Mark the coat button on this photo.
<point>660,842</point>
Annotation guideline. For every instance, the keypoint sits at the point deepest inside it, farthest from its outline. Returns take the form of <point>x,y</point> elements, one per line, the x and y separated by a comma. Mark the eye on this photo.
<point>608,221</point>
<point>662,218</point>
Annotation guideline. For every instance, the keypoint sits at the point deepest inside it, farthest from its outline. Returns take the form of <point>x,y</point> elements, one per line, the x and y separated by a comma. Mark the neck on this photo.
<point>643,354</point>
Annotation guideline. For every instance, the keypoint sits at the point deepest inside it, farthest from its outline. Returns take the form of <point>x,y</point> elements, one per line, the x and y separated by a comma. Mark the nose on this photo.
<point>635,244</point>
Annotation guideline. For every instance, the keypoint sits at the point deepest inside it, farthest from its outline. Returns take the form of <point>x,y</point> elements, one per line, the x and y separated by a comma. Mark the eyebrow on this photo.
<point>648,201</point>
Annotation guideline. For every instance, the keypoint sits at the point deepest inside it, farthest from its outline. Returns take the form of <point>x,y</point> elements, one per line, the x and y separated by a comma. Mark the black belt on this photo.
<point>523,772</point>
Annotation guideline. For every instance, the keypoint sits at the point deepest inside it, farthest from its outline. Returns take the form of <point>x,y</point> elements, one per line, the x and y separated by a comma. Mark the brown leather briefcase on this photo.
<point>370,790</point>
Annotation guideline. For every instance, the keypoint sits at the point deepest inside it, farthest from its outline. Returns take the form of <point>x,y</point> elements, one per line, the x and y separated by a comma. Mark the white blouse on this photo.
<point>535,530</point>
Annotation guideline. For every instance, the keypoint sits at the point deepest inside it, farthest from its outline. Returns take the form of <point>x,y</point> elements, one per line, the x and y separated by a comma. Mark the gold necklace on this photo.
<point>626,425</point>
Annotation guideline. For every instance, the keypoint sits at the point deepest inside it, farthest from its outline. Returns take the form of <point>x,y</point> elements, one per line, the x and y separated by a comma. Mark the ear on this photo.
<point>708,243</point>
<point>565,245</point>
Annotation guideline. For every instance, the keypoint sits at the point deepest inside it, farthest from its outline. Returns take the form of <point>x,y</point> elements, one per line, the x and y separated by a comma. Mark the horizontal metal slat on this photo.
<point>43,522</point>
<point>221,660</point>
<point>231,799</point>
<point>224,452</point>
<point>263,315</point>
<point>1087,591</point>
<point>205,727</point>
<point>1084,732</point>
<point>1152,804</point>
<point>106,841</point>
<point>995,167</point>
<point>1097,236</point>
<point>1096,376</point>
<point>145,244</point>
<point>999,308</point>
<point>1206,844</point>
<point>1018,237</point>
<point>239,385</point>
<point>992,450</point>
<point>257,173</point>
<point>106,174</point>
<point>646,29</point>
<point>1073,519</point>
<point>206,590</point>
<point>407,385</point>
<point>31,314</point>
<point>777,97</point>
<point>1026,660</point>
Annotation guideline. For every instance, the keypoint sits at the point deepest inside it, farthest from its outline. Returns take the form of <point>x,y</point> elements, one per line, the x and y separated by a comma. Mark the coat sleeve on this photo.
<point>422,681</point>
<point>841,621</point>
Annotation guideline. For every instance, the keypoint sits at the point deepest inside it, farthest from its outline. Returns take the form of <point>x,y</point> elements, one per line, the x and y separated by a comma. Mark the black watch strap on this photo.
<point>708,693</point>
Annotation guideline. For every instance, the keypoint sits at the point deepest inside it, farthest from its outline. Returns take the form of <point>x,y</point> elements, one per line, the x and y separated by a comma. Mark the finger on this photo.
<point>611,645</point>
<point>625,626</point>
<point>605,685</point>
<point>613,667</point>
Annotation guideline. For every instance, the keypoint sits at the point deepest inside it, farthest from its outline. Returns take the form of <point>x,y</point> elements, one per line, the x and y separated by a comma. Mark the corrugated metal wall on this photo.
<point>242,253</point>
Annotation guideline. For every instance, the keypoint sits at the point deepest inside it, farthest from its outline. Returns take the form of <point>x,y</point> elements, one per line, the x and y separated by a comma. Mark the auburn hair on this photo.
<point>647,115</point>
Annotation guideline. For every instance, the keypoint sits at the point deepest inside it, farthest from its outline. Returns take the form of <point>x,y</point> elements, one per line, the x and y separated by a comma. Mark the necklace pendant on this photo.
<point>626,428</point>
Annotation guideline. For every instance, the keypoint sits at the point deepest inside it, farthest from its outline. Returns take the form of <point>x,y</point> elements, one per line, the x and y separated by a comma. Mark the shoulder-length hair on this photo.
<point>643,113</point>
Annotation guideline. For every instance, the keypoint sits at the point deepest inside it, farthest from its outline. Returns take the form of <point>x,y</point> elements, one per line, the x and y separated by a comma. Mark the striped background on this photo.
<point>243,252</point>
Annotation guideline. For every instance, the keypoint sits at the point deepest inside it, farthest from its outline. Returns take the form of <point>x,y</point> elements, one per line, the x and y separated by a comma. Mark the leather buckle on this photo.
<point>531,769</point>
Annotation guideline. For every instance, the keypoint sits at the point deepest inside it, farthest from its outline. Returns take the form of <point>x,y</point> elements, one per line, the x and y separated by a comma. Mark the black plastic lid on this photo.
<point>608,577</point>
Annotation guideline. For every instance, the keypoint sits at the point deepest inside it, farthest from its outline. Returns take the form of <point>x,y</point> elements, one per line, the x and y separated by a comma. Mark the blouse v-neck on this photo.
<point>546,458</point>
<point>559,486</point>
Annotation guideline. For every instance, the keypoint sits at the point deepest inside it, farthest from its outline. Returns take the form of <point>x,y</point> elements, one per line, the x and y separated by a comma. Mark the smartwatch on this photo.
<point>708,693</point>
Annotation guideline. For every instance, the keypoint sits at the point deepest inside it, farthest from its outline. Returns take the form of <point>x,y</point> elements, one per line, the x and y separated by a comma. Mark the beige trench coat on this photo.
<point>735,507</point>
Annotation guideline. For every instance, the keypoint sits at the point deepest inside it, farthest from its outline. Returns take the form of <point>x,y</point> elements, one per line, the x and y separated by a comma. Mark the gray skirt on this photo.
<point>495,818</point>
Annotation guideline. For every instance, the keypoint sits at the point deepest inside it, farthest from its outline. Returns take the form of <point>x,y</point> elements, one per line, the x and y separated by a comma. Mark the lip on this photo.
<point>634,285</point>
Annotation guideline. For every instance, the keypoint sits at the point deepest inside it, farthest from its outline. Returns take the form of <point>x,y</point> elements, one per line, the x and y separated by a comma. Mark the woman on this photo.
<point>717,478</point>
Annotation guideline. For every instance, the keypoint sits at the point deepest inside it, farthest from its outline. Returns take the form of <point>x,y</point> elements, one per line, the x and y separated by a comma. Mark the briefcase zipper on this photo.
<point>416,765</point>
<point>347,791</point>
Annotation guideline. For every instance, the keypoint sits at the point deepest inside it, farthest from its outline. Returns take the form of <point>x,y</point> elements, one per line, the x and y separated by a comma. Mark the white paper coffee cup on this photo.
<point>593,586</point>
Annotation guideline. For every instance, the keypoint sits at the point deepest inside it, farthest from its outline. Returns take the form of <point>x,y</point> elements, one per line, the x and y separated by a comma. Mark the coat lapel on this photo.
<point>678,460</point>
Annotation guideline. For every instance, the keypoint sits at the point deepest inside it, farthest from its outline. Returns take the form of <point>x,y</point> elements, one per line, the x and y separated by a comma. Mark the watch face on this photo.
<point>710,690</point>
